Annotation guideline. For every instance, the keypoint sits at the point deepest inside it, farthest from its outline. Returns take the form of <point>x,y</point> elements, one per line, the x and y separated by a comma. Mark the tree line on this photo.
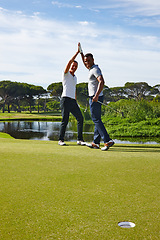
<point>19,97</point>
<point>14,95</point>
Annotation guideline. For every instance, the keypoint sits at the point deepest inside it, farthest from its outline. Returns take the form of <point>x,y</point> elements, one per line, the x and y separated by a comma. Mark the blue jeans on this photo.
<point>69,105</point>
<point>99,131</point>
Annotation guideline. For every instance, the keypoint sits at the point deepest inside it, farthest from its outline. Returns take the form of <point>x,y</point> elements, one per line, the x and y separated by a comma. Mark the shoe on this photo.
<point>81,142</point>
<point>107,145</point>
<point>61,143</point>
<point>93,145</point>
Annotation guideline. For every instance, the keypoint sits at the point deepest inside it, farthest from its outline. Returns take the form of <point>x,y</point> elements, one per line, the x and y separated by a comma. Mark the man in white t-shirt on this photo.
<point>69,103</point>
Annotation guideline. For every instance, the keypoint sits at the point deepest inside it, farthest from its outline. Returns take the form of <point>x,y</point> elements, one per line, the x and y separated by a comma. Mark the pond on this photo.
<point>40,130</point>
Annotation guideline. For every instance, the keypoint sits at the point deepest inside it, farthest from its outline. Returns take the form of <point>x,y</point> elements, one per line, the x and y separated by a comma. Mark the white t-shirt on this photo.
<point>69,85</point>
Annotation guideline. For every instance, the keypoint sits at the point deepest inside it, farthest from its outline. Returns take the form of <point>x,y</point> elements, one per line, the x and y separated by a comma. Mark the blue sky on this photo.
<point>38,37</point>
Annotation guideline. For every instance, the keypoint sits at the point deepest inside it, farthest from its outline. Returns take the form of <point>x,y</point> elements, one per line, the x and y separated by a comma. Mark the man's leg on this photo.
<point>100,131</point>
<point>75,110</point>
<point>65,117</point>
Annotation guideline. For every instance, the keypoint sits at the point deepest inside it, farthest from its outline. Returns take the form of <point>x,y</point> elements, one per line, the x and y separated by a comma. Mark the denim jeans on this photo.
<point>69,105</point>
<point>99,131</point>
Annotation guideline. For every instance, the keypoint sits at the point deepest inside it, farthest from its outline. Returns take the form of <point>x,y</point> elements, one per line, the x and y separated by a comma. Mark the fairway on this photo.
<point>74,192</point>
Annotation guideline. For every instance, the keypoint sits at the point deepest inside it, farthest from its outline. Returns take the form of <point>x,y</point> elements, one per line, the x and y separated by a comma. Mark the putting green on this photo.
<point>74,192</point>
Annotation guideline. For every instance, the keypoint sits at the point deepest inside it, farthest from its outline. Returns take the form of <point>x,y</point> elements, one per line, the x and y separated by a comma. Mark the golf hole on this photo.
<point>126,224</point>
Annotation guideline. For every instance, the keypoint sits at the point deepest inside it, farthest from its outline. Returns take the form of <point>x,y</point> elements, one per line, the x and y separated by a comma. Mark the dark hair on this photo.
<point>75,62</point>
<point>89,55</point>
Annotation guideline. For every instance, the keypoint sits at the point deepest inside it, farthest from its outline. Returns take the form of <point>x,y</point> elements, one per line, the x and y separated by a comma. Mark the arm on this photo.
<point>99,89</point>
<point>81,52</point>
<point>71,61</point>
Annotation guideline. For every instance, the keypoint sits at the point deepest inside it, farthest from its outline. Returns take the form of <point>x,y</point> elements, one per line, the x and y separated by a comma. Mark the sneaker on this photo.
<point>81,142</point>
<point>107,145</point>
<point>61,143</point>
<point>93,145</point>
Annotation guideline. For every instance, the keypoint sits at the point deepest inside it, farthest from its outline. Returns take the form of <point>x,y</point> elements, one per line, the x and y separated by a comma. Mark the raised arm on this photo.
<point>81,52</point>
<point>71,61</point>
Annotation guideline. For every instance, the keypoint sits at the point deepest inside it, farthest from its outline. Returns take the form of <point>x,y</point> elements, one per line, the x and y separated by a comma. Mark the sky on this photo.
<point>38,38</point>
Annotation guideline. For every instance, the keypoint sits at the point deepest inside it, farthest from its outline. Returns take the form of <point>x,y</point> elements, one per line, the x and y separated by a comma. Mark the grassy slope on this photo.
<point>77,192</point>
<point>5,135</point>
<point>27,116</point>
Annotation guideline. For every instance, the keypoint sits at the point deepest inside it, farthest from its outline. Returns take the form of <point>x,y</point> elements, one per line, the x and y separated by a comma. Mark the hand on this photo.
<point>95,99</point>
<point>80,48</point>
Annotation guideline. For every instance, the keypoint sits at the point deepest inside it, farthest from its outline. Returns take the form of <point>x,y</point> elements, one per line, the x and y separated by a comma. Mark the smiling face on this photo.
<point>73,67</point>
<point>88,61</point>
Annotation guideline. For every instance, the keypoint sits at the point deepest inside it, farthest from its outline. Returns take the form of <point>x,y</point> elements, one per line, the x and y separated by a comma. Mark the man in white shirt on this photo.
<point>68,101</point>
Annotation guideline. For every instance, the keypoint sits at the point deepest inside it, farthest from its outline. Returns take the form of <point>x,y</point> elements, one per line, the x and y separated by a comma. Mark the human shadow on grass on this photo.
<point>136,148</point>
<point>121,148</point>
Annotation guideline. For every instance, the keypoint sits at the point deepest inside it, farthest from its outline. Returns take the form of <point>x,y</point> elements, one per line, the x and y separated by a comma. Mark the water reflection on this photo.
<point>43,130</point>
<point>50,131</point>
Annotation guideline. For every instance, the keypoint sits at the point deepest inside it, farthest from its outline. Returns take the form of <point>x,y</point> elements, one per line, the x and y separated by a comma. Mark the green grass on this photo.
<point>5,135</point>
<point>73,192</point>
<point>29,116</point>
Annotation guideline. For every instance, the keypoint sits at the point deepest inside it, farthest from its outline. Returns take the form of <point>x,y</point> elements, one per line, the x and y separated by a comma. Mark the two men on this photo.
<point>95,89</point>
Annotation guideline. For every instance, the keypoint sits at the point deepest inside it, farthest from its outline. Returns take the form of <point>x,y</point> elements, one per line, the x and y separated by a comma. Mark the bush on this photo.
<point>141,119</point>
<point>134,111</point>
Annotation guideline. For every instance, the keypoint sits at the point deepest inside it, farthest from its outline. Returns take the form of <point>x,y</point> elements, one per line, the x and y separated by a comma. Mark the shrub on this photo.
<point>134,111</point>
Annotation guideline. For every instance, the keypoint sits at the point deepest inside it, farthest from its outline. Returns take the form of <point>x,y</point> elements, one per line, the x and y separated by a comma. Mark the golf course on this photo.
<point>74,192</point>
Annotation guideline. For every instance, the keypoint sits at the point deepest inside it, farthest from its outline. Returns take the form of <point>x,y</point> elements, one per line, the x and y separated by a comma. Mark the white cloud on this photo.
<point>144,13</point>
<point>78,6</point>
<point>64,5</point>
<point>133,7</point>
<point>35,50</point>
<point>84,23</point>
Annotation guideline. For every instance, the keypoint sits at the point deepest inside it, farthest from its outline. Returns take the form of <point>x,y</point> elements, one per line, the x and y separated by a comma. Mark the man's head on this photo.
<point>88,60</point>
<point>73,67</point>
